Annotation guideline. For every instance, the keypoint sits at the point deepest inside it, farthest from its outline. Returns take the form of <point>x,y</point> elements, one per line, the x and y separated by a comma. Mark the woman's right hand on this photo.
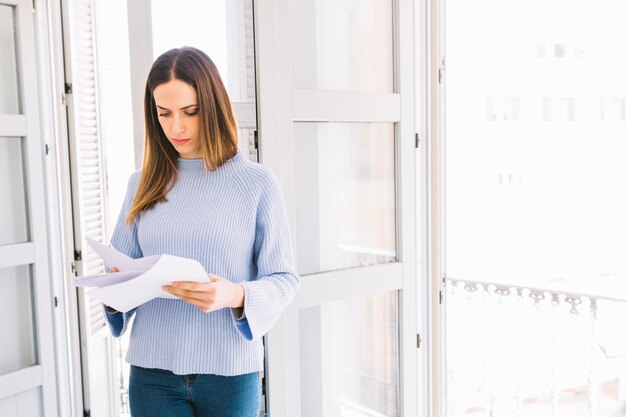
<point>106,307</point>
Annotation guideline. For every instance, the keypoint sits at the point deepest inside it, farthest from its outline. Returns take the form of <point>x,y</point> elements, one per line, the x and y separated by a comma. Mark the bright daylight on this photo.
<point>535,138</point>
<point>312,208</point>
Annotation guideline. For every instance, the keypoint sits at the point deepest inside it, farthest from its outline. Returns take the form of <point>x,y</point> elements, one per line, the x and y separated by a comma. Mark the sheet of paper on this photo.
<point>129,294</point>
<point>112,257</point>
<point>102,280</point>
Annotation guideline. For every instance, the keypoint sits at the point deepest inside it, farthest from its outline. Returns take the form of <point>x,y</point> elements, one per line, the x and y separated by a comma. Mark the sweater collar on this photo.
<point>197,165</point>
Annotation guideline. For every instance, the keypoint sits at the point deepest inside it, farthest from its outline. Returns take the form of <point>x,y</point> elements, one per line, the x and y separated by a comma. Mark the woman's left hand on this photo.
<point>208,296</point>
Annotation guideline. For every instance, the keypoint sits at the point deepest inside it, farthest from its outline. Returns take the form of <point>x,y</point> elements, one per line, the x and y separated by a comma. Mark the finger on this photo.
<point>193,286</point>
<point>187,294</point>
<point>114,269</point>
<point>203,305</point>
<point>213,278</point>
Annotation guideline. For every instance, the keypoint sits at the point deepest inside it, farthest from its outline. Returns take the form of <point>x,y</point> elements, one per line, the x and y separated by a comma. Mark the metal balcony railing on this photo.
<point>513,350</point>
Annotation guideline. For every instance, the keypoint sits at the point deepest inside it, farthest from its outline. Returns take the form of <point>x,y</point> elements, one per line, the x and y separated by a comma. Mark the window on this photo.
<point>534,210</point>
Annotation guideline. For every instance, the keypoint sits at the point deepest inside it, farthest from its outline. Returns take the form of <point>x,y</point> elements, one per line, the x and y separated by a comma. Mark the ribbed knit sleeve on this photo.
<point>124,239</point>
<point>276,282</point>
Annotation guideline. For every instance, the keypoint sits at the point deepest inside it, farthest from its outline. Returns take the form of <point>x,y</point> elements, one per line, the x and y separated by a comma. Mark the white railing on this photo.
<point>528,351</point>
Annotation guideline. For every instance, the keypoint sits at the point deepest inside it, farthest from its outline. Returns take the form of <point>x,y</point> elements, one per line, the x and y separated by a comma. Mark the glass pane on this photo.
<point>349,358</point>
<point>535,144</point>
<point>17,344</point>
<point>13,210</point>
<point>345,197</point>
<point>221,28</point>
<point>246,144</point>
<point>342,45</point>
<point>9,98</point>
<point>535,208</point>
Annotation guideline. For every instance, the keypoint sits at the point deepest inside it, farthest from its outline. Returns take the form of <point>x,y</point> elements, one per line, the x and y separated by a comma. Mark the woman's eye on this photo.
<point>163,114</point>
<point>191,113</point>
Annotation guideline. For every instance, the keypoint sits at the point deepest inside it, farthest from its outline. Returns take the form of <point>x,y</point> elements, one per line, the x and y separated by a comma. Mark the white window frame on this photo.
<point>426,296</point>
<point>54,132</point>
<point>434,74</point>
<point>279,106</point>
<point>28,127</point>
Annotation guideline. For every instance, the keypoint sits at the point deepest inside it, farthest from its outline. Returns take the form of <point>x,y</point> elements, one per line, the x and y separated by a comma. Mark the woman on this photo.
<point>196,196</point>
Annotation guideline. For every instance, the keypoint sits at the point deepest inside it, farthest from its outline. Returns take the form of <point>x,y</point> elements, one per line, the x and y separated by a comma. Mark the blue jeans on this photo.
<point>156,393</point>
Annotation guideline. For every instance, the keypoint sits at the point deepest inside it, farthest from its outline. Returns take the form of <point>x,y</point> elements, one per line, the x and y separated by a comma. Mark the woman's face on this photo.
<point>177,107</point>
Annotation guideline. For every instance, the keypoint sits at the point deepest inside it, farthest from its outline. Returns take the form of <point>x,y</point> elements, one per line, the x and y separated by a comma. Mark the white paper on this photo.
<point>112,257</point>
<point>148,285</point>
<point>139,280</point>
<point>102,280</point>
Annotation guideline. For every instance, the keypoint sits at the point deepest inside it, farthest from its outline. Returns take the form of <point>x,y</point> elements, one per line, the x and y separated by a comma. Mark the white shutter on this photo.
<point>27,362</point>
<point>87,176</point>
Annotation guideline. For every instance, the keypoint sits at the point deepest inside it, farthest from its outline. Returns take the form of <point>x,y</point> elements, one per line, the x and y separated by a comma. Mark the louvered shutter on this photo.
<point>87,176</point>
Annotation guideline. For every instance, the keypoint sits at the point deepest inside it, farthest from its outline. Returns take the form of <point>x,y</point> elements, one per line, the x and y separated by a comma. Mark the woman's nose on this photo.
<point>177,126</point>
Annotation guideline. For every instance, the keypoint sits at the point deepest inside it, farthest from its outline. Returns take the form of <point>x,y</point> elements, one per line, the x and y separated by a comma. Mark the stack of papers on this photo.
<point>138,280</point>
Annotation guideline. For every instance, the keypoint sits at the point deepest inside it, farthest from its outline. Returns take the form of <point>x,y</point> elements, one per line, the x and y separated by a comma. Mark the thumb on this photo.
<point>212,278</point>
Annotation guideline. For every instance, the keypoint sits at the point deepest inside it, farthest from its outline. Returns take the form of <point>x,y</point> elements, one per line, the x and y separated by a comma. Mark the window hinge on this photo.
<point>67,90</point>
<point>56,301</point>
<point>442,69</point>
<point>256,139</point>
<point>86,413</point>
<point>47,149</point>
<point>78,255</point>
<point>417,140</point>
<point>443,285</point>
<point>419,340</point>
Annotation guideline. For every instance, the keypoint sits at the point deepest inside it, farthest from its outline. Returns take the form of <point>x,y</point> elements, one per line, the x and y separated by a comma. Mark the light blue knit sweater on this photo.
<point>233,222</point>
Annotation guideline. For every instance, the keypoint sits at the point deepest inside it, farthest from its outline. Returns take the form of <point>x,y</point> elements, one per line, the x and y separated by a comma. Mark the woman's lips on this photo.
<point>180,141</point>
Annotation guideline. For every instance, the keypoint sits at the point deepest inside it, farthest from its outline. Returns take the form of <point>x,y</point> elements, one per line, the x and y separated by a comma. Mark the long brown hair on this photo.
<point>218,129</point>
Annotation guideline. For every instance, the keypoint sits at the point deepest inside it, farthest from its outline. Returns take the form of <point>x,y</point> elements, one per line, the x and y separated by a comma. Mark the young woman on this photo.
<point>196,196</point>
